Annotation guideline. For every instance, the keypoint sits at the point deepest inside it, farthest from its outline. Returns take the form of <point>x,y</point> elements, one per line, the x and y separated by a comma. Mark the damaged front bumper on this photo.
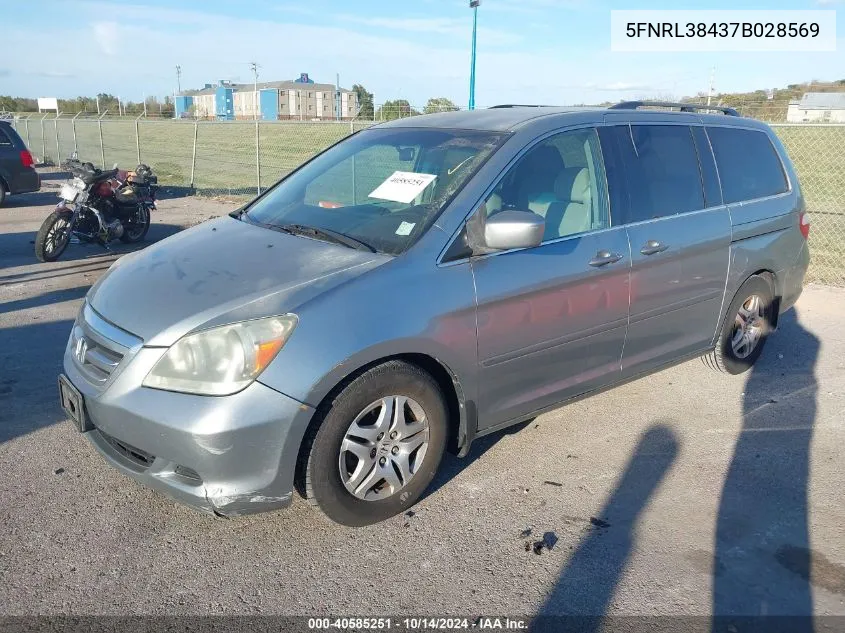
<point>229,456</point>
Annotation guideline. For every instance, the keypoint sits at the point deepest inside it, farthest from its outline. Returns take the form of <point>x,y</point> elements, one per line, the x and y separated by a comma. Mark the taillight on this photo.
<point>804,224</point>
<point>26,158</point>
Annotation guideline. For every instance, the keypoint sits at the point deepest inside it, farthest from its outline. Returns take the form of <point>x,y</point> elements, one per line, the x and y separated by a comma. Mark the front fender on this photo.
<point>64,210</point>
<point>391,311</point>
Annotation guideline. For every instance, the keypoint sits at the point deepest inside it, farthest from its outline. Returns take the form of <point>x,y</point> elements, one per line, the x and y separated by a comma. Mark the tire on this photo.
<point>2,193</point>
<point>141,228</point>
<point>733,353</point>
<point>47,250</point>
<point>322,458</point>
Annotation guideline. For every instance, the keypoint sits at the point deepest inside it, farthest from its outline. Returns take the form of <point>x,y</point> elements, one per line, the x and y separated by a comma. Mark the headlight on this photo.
<point>223,360</point>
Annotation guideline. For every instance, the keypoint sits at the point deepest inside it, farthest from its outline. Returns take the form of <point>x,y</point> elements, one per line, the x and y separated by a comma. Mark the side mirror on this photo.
<point>514,229</point>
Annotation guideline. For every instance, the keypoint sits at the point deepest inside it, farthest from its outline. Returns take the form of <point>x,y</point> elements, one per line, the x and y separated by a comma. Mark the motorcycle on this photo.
<point>98,206</point>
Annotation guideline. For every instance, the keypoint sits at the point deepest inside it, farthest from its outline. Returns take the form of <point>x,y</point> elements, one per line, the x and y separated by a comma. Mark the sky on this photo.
<point>529,51</point>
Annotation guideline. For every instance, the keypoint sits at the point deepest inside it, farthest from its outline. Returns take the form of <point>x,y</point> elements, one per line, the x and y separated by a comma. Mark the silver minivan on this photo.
<point>426,282</point>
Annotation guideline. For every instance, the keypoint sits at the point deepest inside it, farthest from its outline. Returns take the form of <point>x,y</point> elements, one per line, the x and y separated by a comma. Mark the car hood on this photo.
<point>220,272</point>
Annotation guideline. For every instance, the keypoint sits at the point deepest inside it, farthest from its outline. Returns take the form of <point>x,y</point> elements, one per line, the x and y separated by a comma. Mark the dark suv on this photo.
<point>17,175</point>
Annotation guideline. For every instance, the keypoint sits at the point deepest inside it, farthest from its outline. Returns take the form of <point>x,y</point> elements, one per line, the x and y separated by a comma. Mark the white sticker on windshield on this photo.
<point>403,186</point>
<point>405,228</point>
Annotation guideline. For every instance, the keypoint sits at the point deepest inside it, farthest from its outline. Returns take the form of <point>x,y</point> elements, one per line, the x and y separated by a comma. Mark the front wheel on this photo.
<point>53,237</point>
<point>376,446</point>
<point>136,227</point>
<point>746,327</point>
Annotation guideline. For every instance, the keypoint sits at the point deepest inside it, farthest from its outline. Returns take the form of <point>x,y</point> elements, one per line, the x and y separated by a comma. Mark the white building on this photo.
<point>818,107</point>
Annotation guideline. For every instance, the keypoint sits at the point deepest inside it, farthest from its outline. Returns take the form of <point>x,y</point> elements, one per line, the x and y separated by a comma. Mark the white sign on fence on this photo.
<point>48,103</point>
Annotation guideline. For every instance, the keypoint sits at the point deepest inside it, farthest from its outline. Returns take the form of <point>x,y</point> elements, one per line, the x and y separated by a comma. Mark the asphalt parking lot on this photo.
<point>687,492</point>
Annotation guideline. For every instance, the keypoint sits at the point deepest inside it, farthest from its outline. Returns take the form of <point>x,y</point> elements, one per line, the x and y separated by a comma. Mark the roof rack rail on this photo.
<point>684,107</point>
<point>519,105</point>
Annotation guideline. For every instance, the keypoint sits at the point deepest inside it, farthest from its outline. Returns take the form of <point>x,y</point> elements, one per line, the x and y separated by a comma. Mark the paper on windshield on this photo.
<point>403,186</point>
<point>405,228</point>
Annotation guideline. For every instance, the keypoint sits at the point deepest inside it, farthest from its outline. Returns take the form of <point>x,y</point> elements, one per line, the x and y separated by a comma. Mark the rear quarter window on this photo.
<point>5,137</point>
<point>749,166</point>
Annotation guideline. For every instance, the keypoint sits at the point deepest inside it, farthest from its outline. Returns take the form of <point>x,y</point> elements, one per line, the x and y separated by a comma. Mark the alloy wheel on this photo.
<point>749,326</point>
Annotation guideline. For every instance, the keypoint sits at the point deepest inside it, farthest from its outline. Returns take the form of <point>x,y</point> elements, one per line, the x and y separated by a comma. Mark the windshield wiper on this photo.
<point>324,234</point>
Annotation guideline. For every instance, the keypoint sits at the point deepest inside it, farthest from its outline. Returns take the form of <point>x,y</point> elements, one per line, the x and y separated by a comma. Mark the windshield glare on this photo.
<point>381,187</point>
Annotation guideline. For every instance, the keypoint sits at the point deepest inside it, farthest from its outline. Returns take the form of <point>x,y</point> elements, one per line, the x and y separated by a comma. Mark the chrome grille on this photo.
<point>98,347</point>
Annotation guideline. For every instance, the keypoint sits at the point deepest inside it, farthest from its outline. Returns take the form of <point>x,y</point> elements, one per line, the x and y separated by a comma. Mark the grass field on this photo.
<point>226,162</point>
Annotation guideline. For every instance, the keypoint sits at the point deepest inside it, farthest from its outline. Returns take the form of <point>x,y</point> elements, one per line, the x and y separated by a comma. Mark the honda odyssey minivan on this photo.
<point>426,282</point>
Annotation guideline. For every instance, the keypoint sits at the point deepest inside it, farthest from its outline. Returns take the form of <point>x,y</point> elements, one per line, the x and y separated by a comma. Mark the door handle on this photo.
<point>652,247</point>
<point>603,258</point>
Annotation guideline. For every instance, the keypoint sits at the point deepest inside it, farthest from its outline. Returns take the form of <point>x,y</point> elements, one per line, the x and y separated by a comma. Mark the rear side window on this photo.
<point>658,167</point>
<point>5,139</point>
<point>749,166</point>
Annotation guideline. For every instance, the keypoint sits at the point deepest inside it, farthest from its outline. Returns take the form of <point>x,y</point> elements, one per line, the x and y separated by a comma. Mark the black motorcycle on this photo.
<point>99,207</point>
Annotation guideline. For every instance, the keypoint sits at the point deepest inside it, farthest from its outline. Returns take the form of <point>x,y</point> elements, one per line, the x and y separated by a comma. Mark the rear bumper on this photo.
<point>793,279</point>
<point>25,181</point>
<point>229,455</point>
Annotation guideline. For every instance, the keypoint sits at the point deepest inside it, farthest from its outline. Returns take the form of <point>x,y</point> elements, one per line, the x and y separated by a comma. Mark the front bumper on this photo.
<point>228,455</point>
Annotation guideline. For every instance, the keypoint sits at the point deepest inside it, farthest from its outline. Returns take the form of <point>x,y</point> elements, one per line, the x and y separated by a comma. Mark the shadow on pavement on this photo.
<point>764,564</point>
<point>30,361</point>
<point>54,175</point>
<point>452,466</point>
<point>48,298</point>
<point>18,249</point>
<point>586,584</point>
<point>763,554</point>
<point>36,198</point>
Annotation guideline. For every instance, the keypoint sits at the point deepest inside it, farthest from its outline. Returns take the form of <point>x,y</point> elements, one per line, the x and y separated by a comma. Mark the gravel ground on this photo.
<point>686,492</point>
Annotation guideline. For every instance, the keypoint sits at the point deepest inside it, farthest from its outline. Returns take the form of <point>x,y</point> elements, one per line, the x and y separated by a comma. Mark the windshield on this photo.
<point>383,188</point>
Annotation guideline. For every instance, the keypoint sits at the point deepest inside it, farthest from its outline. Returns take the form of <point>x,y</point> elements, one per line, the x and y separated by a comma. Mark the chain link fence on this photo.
<point>233,159</point>
<point>818,153</point>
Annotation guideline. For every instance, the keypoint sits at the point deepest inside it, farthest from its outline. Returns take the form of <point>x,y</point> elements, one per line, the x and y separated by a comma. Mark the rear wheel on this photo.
<point>2,193</point>
<point>136,227</point>
<point>53,237</point>
<point>746,327</point>
<point>376,446</point>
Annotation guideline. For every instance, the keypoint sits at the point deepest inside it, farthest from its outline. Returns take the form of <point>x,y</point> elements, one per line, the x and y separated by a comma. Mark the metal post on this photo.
<point>56,130</point>
<point>257,159</point>
<point>43,140</point>
<point>73,125</point>
<point>100,128</point>
<point>474,5</point>
<point>194,155</point>
<point>26,121</point>
<point>138,138</point>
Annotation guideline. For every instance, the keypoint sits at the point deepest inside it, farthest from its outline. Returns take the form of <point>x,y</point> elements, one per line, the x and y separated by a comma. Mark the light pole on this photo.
<point>473,4</point>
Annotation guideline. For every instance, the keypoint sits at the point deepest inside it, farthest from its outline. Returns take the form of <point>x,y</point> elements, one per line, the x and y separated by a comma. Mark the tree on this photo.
<point>440,104</point>
<point>107,102</point>
<point>365,102</point>
<point>8,104</point>
<point>398,109</point>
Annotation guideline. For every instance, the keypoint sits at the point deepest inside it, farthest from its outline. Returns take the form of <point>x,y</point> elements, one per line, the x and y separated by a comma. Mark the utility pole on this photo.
<point>473,4</point>
<point>254,67</point>
<point>712,82</point>
<point>178,79</point>
<point>98,105</point>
